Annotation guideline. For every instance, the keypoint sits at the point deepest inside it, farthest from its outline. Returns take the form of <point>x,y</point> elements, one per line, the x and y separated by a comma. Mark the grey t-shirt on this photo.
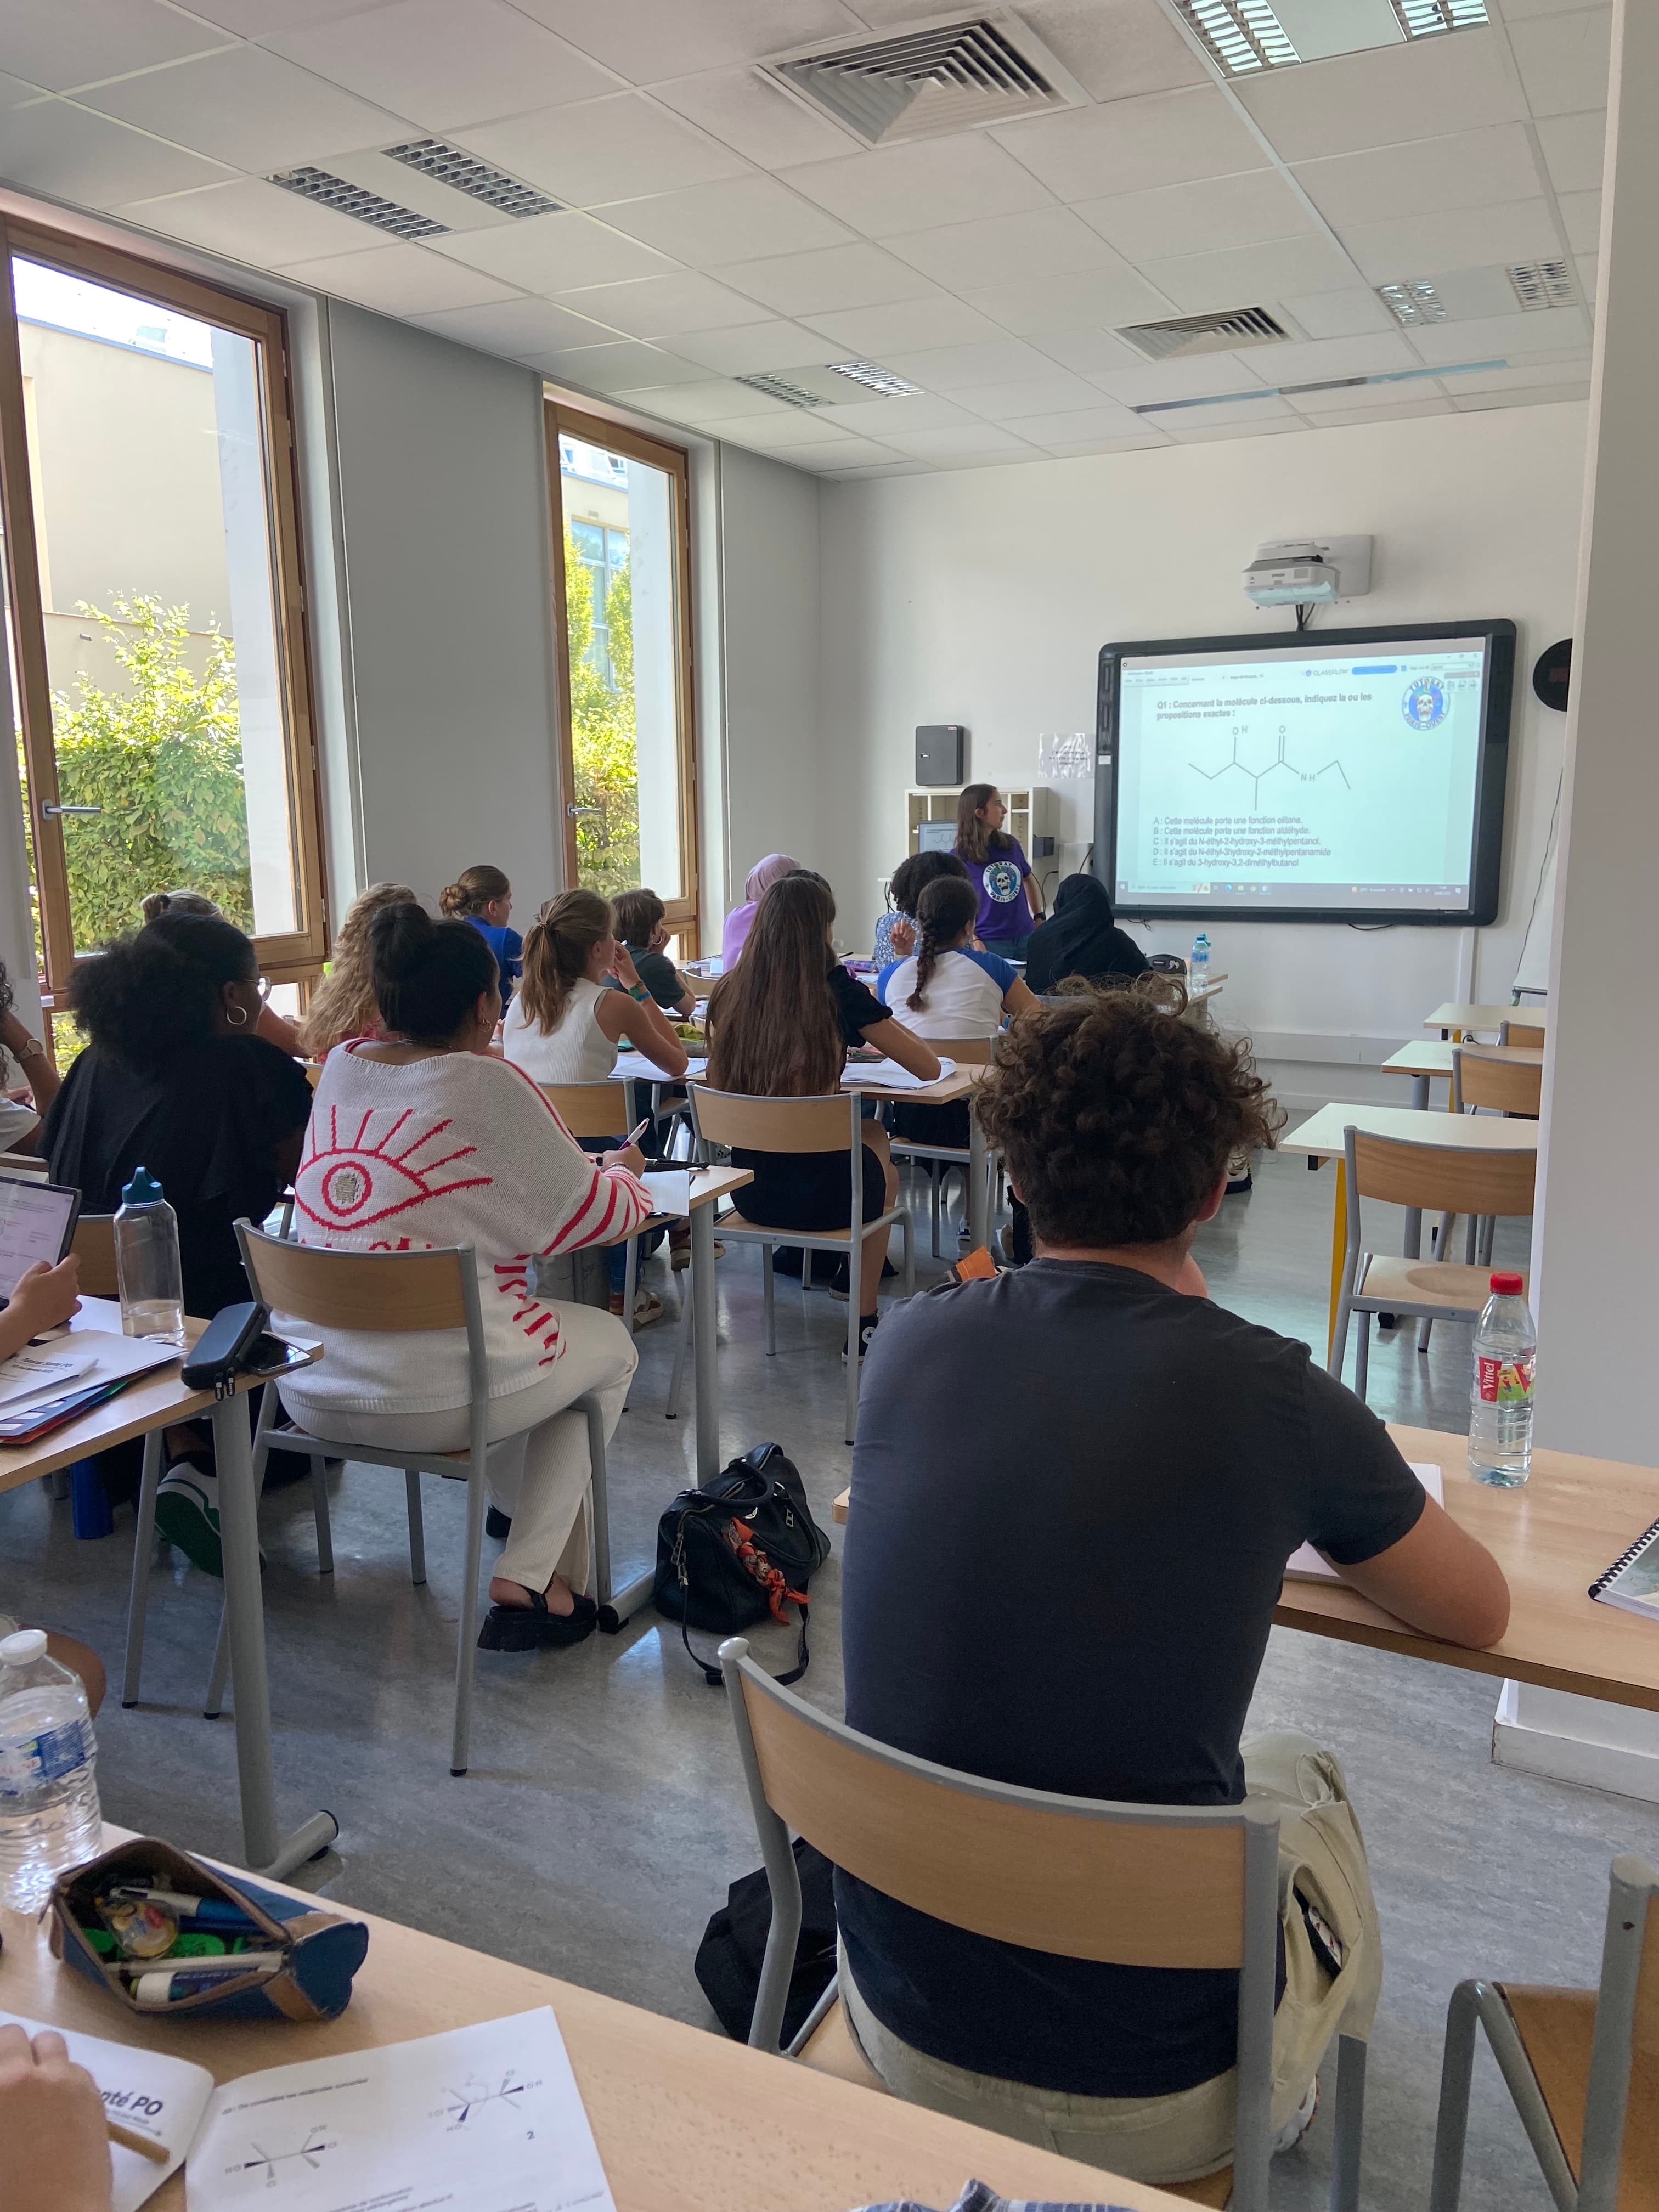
<point>1073,1494</point>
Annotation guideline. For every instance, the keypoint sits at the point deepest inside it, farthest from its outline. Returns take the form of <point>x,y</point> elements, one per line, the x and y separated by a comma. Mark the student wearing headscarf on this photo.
<point>1080,938</point>
<point>759,880</point>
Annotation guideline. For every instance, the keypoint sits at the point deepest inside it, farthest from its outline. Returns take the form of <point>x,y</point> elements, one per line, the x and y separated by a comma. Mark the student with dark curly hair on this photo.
<point>1068,1585</point>
<point>896,930</point>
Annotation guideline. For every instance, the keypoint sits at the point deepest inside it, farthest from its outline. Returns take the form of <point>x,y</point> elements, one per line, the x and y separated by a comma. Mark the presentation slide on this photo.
<point>1312,775</point>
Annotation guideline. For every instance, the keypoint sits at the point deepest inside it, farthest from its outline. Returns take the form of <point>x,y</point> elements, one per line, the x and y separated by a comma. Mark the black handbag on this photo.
<point>738,1551</point>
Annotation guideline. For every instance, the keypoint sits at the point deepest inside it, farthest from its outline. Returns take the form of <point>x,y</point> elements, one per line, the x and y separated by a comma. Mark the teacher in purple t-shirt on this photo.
<point>1010,904</point>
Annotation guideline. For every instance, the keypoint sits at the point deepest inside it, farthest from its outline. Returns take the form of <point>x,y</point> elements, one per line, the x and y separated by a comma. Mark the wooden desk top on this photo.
<point>956,1084</point>
<point>142,1406</point>
<point>1434,1056</point>
<point>1461,1014</point>
<point>1321,1134</point>
<point>685,2121</point>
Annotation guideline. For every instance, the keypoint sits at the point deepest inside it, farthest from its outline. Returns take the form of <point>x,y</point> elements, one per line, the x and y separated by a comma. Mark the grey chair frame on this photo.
<point>950,1155</point>
<point>848,1243</point>
<point>1256,1817</point>
<point>1632,1888</point>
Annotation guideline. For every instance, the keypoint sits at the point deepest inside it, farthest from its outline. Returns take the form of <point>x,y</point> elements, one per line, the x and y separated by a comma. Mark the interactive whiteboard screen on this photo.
<point>1338,775</point>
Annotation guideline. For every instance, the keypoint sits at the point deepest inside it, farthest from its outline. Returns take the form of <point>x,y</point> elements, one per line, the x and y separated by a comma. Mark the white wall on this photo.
<point>983,597</point>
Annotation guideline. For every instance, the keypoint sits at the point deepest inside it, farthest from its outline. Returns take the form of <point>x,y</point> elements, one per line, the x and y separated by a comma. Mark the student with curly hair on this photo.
<point>343,1004</point>
<point>1101,1553</point>
<point>163,906</point>
<point>896,930</point>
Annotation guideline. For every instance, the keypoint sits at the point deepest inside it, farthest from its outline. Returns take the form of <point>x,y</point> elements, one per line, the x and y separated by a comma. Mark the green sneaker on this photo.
<point>187,1514</point>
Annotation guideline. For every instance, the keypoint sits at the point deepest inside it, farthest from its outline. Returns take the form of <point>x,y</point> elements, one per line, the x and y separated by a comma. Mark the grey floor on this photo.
<point>604,1814</point>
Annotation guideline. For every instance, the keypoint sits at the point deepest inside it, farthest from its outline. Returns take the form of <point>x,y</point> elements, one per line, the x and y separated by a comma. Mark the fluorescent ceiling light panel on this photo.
<point>479,181</point>
<point>780,388</point>
<point>1247,36</point>
<point>1325,383</point>
<point>874,378</point>
<point>1412,303</point>
<point>329,191</point>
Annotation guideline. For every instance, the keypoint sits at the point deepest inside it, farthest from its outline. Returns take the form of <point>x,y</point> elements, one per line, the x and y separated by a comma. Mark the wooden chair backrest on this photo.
<point>967,1052</point>
<point>590,1110</point>
<point>399,1292</point>
<point>1443,1180</point>
<point>774,1125</point>
<point>1054,1873</point>
<point>95,1248</point>
<point>28,1164</point>
<point>1520,1033</point>
<point>1477,1080</point>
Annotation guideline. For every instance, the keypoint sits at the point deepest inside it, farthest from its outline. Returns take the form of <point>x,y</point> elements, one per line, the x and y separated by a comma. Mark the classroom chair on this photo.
<point>1481,1082</point>
<point>1166,1886</point>
<point>1581,2065</point>
<point>592,1110</point>
<point>800,1125</point>
<point>1520,1033</point>
<point>967,1052</point>
<point>1438,1179</point>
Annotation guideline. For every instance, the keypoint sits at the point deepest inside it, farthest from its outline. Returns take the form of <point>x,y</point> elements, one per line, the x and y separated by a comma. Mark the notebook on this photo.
<point>1632,1582</point>
<point>1307,1566</point>
<point>888,1075</point>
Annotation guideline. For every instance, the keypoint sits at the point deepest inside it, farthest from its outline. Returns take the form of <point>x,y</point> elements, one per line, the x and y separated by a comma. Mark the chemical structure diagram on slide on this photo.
<point>1241,731</point>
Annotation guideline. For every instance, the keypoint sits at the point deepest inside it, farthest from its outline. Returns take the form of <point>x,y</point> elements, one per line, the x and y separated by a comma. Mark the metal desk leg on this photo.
<point>979,1210</point>
<point>265,1851</point>
<point>705,1343</point>
<point>1413,1246</point>
<point>1339,1243</point>
<point>1419,1094</point>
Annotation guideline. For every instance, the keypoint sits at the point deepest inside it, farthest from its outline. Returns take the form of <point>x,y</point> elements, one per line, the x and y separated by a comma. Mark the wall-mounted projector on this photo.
<point>1299,572</point>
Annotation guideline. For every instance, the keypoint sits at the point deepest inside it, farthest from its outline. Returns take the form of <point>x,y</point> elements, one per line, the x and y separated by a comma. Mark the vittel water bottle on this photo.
<point>1198,967</point>
<point>1500,1397</point>
<point>147,1261</point>
<point>49,1813</point>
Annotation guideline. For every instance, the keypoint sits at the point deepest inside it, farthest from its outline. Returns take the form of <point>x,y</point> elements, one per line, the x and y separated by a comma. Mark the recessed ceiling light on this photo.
<point>353,200</point>
<point>1542,283</point>
<point>1412,303</point>
<point>450,165</point>
<point>1245,36</point>
<point>780,387</point>
<point>874,378</point>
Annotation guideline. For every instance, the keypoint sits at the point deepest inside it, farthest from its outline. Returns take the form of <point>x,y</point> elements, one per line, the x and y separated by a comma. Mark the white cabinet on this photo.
<point>1031,814</point>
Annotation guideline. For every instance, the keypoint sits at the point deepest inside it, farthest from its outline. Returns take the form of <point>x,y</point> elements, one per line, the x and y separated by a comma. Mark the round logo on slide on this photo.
<point>1002,882</point>
<point>1424,704</point>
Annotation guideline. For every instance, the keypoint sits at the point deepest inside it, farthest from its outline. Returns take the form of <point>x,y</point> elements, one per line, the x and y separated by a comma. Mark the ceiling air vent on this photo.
<point>954,73</point>
<point>780,387</point>
<point>1220,333</point>
<point>1542,283</point>
<point>353,200</point>
<point>449,165</point>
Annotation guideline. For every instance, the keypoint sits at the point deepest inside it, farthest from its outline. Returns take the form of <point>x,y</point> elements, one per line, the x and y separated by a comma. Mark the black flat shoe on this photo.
<point>533,1628</point>
<point>498,1524</point>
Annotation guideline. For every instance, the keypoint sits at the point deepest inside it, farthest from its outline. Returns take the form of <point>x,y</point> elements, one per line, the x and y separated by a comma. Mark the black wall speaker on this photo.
<point>1551,678</point>
<point>941,753</point>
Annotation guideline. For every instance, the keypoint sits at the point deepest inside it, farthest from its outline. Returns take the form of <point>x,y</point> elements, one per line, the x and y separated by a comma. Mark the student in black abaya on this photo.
<point>1080,938</point>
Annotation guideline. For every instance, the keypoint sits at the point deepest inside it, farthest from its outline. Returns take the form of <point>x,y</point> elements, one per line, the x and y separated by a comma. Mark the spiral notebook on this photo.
<point>1632,1582</point>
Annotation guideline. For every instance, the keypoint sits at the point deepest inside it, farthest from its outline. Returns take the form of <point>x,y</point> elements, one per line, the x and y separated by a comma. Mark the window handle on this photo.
<point>52,810</point>
<point>571,809</point>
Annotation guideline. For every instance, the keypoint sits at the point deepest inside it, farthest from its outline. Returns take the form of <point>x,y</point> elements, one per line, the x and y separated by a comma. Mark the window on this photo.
<point>154,614</point>
<point>622,581</point>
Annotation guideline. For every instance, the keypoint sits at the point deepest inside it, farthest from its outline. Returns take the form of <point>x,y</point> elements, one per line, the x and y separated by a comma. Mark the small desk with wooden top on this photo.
<point>1463,1014</point>
<point>685,2121</point>
<point>1433,1057</point>
<point>959,1083</point>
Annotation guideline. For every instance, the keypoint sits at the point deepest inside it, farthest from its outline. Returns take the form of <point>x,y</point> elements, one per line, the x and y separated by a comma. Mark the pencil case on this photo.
<point>306,1957</point>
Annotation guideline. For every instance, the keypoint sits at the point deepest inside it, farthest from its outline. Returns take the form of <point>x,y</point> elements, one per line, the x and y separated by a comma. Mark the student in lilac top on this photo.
<point>741,920</point>
<point>1010,904</point>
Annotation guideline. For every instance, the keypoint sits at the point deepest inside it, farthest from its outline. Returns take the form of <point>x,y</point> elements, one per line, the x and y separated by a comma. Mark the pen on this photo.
<point>633,1135</point>
<point>128,2139</point>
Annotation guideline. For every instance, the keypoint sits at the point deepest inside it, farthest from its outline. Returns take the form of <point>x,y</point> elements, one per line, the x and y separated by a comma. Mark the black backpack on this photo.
<point>738,1551</point>
<point>733,1946</point>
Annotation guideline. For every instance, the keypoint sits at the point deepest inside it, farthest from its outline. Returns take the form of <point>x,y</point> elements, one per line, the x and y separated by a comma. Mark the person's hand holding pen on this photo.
<point>628,1153</point>
<point>54,2153</point>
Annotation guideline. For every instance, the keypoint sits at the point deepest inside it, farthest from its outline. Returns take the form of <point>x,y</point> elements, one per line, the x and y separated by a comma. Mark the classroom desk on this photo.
<point>1422,1062</point>
<point>1321,1137</point>
<point>958,1085</point>
<point>1461,1014</point>
<point>685,2121</point>
<point>156,1402</point>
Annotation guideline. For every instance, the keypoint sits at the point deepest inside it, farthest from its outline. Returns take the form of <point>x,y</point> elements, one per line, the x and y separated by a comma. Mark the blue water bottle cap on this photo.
<point>143,1190</point>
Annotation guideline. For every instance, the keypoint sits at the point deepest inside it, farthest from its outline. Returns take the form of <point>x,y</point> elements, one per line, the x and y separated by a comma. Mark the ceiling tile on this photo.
<point>253,222</point>
<point>1082,450</point>
<point>959,369</point>
<point>741,218</point>
<point>1369,356</point>
<point>1521,11</point>
<point>1216,211</point>
<point>399,279</point>
<point>1246,276</point>
<point>880,418</point>
<point>1472,168</point>
<point>1550,397</point>
<point>1089,299</point>
<point>818,283</point>
<point>1402,410</point>
<point>1338,314</point>
<point>936,180</point>
<point>1494,338</point>
<point>894,468</point>
<point>623,365</point>
<point>1425,88</point>
<point>1581,215</point>
<point>1116,48</point>
<point>718,399</point>
<point>443,62</point>
<point>794,426</point>
<point>70,42</point>
<point>661,307</point>
<point>581,153</point>
<point>1524,376</point>
<point>958,443</point>
<point>841,453</point>
<point>756,346</point>
<point>1361,398</point>
<point>250,108</point>
<point>1265,409</point>
<point>524,329</point>
<point>746,111</point>
<point>1131,145</point>
<point>14,92</point>
<point>1468,238</point>
<point>1564,60</point>
<point>1054,394</point>
<point>257,19</point>
<point>965,257</point>
<point>1210,434</point>
<point>1574,146</point>
<point>63,150</point>
<point>905,325</point>
<point>551,254</point>
<point>1091,353</point>
<point>646,39</point>
<point>1076,424</point>
<point>1197,379</point>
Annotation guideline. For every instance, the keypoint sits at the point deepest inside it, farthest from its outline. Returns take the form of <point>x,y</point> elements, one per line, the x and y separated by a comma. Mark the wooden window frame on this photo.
<point>681,915</point>
<point>290,956</point>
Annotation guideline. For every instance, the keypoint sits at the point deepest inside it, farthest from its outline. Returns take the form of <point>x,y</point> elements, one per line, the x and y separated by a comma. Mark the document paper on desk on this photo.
<point>888,1075</point>
<point>484,2119</point>
<point>1307,1566</point>
<point>153,2095</point>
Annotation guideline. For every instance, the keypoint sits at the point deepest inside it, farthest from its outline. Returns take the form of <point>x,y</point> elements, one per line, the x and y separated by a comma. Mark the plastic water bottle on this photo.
<point>147,1261</point>
<point>49,1813</point>
<point>1500,1397</point>
<point>1198,967</point>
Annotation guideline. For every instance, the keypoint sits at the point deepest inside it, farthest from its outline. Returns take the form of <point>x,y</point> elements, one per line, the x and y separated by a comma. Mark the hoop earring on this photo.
<point>234,1009</point>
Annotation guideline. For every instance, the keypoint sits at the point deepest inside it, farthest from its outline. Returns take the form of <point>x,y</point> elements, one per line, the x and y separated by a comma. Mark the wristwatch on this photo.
<point>33,1049</point>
